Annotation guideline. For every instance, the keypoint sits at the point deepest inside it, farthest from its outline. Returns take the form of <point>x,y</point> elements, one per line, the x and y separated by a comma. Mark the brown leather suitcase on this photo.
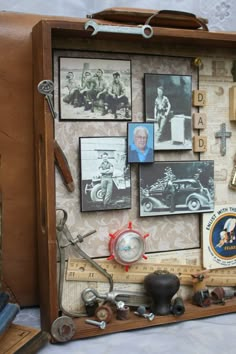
<point>17,157</point>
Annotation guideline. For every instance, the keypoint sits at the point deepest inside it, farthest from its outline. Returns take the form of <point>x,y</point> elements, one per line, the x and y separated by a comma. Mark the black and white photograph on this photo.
<point>182,187</point>
<point>94,89</point>
<point>168,102</point>
<point>140,142</point>
<point>105,174</point>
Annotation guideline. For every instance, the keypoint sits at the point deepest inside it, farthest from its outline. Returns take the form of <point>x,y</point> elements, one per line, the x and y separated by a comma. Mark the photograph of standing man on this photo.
<point>106,171</point>
<point>168,104</point>
<point>140,142</point>
<point>161,111</point>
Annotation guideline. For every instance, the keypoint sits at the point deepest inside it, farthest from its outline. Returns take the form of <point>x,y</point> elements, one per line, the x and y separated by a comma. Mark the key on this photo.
<point>46,87</point>
<point>146,31</point>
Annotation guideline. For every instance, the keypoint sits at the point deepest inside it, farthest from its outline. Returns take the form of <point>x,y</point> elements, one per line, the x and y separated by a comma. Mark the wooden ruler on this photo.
<point>81,270</point>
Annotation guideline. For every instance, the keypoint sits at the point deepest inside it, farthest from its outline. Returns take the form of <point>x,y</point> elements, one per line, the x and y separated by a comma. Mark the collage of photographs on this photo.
<point>101,90</point>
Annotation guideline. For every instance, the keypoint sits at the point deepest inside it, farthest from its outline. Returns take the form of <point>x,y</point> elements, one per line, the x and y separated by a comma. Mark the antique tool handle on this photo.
<point>63,167</point>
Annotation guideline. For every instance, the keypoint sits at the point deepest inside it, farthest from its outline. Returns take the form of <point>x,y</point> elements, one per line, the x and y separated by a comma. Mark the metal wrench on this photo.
<point>145,30</point>
<point>130,298</point>
<point>46,87</point>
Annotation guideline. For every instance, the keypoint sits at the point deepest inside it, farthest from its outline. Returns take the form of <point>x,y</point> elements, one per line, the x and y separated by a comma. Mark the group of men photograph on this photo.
<point>94,92</point>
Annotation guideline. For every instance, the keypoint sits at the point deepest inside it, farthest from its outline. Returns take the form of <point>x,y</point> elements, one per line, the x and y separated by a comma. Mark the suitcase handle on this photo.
<point>177,16</point>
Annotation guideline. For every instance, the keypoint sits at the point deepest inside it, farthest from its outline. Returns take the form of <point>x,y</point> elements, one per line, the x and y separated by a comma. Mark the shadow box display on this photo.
<point>94,239</point>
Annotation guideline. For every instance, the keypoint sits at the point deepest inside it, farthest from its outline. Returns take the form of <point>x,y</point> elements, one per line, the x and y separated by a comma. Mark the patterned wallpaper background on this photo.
<point>185,228</point>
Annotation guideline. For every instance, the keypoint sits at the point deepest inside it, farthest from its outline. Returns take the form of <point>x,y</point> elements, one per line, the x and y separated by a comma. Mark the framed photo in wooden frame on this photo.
<point>105,174</point>
<point>168,101</point>
<point>181,187</point>
<point>94,89</point>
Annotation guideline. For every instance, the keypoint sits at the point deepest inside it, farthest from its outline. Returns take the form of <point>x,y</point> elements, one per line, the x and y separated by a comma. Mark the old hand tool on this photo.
<point>46,87</point>
<point>131,298</point>
<point>74,242</point>
<point>60,224</point>
<point>63,167</point>
<point>64,239</point>
<point>145,30</point>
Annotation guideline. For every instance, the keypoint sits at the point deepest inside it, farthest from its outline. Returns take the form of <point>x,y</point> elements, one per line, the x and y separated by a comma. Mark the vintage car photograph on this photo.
<point>105,174</point>
<point>176,188</point>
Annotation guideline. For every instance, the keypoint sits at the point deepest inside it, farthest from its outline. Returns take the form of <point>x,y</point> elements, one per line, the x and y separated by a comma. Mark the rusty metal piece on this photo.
<point>104,313</point>
<point>202,298</point>
<point>199,280</point>
<point>63,329</point>
<point>123,313</point>
<point>220,293</point>
<point>178,307</point>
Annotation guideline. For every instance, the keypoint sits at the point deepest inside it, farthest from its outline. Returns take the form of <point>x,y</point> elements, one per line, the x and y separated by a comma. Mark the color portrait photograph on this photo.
<point>140,142</point>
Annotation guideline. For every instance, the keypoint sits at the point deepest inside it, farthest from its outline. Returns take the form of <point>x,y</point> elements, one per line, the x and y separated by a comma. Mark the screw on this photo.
<point>101,325</point>
<point>120,305</point>
<point>141,312</point>
<point>80,238</point>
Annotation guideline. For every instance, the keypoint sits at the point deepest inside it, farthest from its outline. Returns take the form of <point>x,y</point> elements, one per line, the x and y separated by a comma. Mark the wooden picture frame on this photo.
<point>94,89</point>
<point>50,35</point>
<point>105,182</point>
